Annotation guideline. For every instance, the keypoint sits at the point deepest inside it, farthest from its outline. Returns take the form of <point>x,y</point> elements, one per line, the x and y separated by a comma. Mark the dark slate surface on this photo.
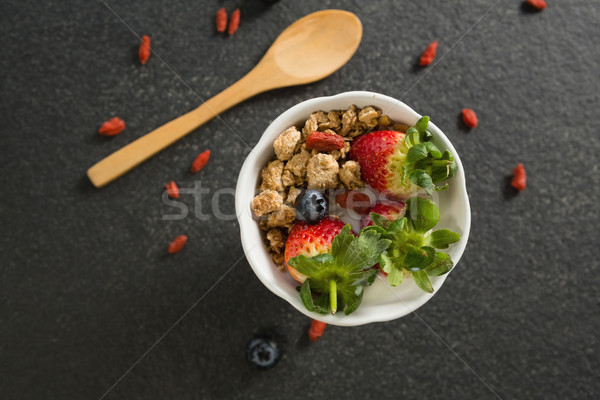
<point>87,289</point>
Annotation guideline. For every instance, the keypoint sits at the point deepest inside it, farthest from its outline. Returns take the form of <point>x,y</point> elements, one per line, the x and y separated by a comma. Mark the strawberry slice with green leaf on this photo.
<point>397,164</point>
<point>413,244</point>
<point>335,281</point>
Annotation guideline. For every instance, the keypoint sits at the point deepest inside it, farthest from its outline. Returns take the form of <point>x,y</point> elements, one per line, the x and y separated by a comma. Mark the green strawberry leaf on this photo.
<point>432,150</point>
<point>422,281</point>
<point>416,153</point>
<point>418,258</point>
<point>440,266</point>
<point>379,220</point>
<point>420,178</point>
<point>441,238</point>
<point>422,124</point>
<point>422,214</point>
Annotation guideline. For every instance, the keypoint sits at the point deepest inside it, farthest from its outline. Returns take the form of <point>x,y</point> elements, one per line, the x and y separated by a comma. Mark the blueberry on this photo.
<point>311,206</point>
<point>263,352</point>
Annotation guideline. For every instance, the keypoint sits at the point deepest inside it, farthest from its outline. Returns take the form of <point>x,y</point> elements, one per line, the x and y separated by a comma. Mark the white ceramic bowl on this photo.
<point>380,302</point>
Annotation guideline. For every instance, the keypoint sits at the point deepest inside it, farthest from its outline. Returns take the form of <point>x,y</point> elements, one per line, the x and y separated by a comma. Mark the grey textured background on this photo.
<point>86,286</point>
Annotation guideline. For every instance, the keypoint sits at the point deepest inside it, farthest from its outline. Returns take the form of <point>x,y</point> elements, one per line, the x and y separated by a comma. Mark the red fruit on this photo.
<point>316,330</point>
<point>391,210</point>
<point>234,22</point>
<point>356,201</point>
<point>324,141</point>
<point>172,190</point>
<point>537,4</point>
<point>221,19</point>
<point>177,244</point>
<point>310,240</point>
<point>112,127</point>
<point>429,54</point>
<point>519,180</point>
<point>144,52</point>
<point>469,117</point>
<point>200,161</point>
<point>377,153</point>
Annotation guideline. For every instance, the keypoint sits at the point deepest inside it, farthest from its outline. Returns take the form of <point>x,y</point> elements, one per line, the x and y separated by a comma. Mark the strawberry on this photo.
<point>310,240</point>
<point>391,210</point>
<point>334,278</point>
<point>356,201</point>
<point>324,141</point>
<point>397,164</point>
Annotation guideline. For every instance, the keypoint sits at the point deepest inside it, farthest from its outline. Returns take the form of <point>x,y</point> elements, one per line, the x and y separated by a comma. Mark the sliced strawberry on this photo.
<point>324,141</point>
<point>391,210</point>
<point>357,201</point>
<point>310,240</point>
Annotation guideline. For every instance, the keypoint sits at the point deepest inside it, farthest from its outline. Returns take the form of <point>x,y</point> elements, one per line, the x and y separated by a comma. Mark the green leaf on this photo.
<point>352,300</point>
<point>440,266</point>
<point>364,251</point>
<point>394,277</point>
<point>341,241</point>
<point>396,226</point>
<point>420,178</point>
<point>422,281</point>
<point>310,266</point>
<point>422,124</point>
<point>422,213</point>
<point>320,305</point>
<point>418,258</point>
<point>379,220</point>
<point>412,137</point>
<point>416,153</point>
<point>442,238</point>
<point>432,149</point>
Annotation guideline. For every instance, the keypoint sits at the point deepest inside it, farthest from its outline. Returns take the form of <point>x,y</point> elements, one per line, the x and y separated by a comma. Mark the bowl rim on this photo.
<point>252,166</point>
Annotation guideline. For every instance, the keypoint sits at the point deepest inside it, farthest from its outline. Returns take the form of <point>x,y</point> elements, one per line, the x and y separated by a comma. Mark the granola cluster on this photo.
<point>297,167</point>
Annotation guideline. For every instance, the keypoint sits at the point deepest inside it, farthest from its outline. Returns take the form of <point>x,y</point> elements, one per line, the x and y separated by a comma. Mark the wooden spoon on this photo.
<point>308,50</point>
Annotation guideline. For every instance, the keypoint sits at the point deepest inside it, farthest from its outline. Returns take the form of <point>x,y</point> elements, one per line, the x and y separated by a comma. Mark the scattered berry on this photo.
<point>172,190</point>
<point>357,201</point>
<point>469,117</point>
<point>234,21</point>
<point>144,52</point>
<point>429,54</point>
<point>316,330</point>
<point>200,161</point>
<point>311,206</point>
<point>537,4</point>
<point>519,180</point>
<point>263,352</point>
<point>177,244</point>
<point>112,127</point>
<point>221,18</point>
<point>324,141</point>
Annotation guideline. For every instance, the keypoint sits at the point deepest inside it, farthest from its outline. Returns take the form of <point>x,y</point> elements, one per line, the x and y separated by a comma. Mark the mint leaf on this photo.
<point>440,266</point>
<point>422,213</point>
<point>442,238</point>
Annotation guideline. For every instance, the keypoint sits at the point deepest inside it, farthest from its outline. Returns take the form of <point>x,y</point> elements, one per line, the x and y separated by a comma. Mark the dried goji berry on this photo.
<point>144,53</point>
<point>200,161</point>
<point>324,141</point>
<point>359,202</point>
<point>316,330</point>
<point>537,4</point>
<point>177,244</point>
<point>221,19</point>
<point>112,127</point>
<point>469,117</point>
<point>429,54</point>
<point>519,178</point>
<point>172,190</point>
<point>234,22</point>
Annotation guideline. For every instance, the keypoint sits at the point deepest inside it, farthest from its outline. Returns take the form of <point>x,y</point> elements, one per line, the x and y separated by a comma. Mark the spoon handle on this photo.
<point>130,156</point>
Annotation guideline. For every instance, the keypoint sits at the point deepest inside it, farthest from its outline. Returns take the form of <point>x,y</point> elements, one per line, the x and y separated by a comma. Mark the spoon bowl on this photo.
<point>310,49</point>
